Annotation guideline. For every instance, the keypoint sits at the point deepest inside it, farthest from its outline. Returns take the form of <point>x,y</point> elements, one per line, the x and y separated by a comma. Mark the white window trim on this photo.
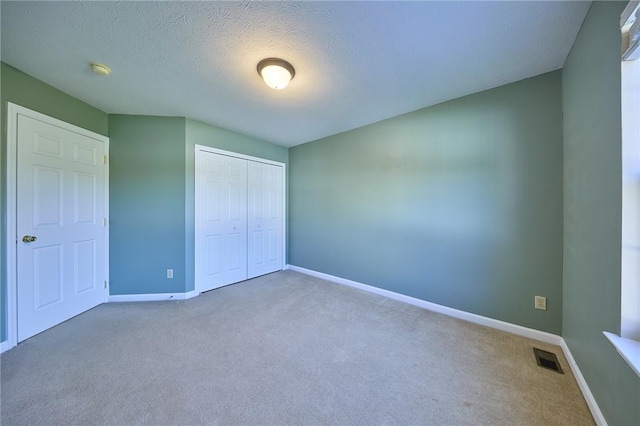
<point>628,343</point>
<point>628,349</point>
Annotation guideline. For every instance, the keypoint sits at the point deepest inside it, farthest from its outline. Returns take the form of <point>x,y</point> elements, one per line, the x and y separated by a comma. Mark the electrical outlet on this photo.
<point>540,303</point>
<point>169,273</point>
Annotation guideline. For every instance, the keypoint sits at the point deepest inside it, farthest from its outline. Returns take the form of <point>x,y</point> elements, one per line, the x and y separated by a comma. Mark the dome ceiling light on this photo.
<point>276,73</point>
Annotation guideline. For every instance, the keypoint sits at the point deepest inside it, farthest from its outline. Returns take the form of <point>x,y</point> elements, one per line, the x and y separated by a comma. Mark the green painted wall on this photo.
<point>459,204</point>
<point>24,90</point>
<point>198,133</point>
<point>463,201</point>
<point>147,204</point>
<point>592,213</point>
<point>152,197</point>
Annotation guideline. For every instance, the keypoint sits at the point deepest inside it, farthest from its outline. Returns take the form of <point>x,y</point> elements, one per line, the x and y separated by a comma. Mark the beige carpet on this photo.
<point>282,349</point>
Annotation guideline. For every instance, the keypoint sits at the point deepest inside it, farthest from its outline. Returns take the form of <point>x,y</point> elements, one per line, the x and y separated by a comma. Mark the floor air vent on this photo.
<point>547,360</point>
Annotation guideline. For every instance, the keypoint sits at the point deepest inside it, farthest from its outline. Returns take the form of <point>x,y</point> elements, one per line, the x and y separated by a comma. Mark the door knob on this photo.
<point>28,239</point>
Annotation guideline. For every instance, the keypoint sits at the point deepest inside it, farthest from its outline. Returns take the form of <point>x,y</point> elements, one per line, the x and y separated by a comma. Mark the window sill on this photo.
<point>628,349</point>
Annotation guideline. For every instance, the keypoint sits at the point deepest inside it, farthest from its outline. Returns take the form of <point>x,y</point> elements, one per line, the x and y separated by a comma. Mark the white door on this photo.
<point>60,225</point>
<point>265,218</point>
<point>221,220</point>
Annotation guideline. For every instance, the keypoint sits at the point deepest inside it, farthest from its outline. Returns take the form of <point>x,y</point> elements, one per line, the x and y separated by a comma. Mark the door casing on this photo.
<point>199,148</point>
<point>13,111</point>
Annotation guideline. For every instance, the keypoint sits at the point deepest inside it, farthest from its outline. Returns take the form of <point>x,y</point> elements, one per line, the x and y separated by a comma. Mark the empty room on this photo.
<point>320,212</point>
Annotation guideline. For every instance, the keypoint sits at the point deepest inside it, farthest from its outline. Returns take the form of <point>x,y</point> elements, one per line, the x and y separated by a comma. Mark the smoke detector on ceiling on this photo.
<point>100,69</point>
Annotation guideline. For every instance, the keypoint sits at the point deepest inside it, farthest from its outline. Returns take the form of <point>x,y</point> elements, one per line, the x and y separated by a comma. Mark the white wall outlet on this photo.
<point>540,303</point>
<point>169,273</point>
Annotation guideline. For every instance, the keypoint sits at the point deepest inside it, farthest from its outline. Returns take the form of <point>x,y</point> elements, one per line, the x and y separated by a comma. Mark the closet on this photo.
<point>239,217</point>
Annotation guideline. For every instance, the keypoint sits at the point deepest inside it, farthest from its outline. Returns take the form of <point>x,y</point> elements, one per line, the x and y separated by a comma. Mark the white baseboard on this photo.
<point>582,383</point>
<point>445,310</point>
<point>153,297</point>
<point>476,319</point>
<point>5,346</point>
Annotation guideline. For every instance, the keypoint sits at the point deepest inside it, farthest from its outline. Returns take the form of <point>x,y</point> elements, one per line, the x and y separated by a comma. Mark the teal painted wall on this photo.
<point>198,133</point>
<point>29,92</point>
<point>461,199</point>
<point>147,204</point>
<point>592,213</point>
<point>459,204</point>
<point>152,197</point>
<point>24,90</point>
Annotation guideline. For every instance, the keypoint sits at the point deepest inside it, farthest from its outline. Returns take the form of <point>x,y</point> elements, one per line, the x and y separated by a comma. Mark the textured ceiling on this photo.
<point>356,62</point>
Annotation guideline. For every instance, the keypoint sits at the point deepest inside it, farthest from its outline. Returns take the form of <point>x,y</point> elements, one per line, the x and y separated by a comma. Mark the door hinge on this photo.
<point>105,284</point>
<point>105,159</point>
<point>104,221</point>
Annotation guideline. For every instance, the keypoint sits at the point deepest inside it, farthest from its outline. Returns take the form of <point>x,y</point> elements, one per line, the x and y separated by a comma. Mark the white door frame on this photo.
<point>13,111</point>
<point>199,148</point>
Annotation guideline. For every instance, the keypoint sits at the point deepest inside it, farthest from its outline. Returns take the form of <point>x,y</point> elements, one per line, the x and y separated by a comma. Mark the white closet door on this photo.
<point>265,221</point>
<point>221,220</point>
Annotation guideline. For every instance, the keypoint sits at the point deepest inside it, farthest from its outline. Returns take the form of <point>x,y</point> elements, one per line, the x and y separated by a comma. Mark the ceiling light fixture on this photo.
<point>100,69</point>
<point>276,73</point>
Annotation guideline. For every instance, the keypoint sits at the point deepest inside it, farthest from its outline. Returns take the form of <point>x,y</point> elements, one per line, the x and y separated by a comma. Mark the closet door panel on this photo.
<point>265,221</point>
<point>221,220</point>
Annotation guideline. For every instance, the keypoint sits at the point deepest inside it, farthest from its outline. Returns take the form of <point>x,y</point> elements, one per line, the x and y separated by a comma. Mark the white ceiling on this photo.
<point>356,62</point>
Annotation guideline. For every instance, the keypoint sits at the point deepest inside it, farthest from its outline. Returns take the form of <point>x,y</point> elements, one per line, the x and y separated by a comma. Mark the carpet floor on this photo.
<point>282,349</point>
